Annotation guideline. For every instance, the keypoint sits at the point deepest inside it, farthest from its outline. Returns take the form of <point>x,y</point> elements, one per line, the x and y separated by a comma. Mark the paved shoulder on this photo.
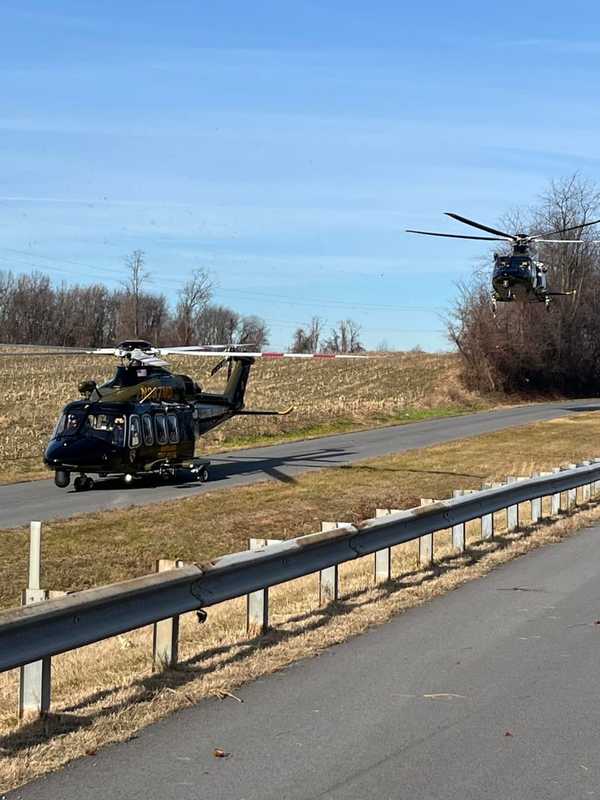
<point>487,692</point>
<point>22,502</point>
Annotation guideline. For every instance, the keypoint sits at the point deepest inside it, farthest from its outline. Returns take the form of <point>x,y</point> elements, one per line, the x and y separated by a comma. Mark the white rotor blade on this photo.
<point>54,351</point>
<point>165,351</point>
<point>570,241</point>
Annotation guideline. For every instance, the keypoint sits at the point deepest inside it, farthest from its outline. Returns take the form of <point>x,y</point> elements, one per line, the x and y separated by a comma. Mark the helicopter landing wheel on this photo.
<point>200,474</point>
<point>79,484</point>
<point>89,484</point>
<point>62,478</point>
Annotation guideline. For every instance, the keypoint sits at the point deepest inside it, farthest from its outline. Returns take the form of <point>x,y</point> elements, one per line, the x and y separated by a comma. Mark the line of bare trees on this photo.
<point>344,338</point>
<point>33,310</point>
<point>524,348</point>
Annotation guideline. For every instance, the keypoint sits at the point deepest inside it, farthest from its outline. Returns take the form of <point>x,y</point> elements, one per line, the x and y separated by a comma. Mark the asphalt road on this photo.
<point>42,500</point>
<point>487,692</point>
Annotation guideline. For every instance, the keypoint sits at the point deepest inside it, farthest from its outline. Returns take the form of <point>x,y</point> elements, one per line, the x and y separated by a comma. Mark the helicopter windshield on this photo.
<point>513,265</point>
<point>68,424</point>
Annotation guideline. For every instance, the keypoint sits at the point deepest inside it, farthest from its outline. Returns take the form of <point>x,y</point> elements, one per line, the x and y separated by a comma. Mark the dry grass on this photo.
<point>327,395</point>
<point>122,694</point>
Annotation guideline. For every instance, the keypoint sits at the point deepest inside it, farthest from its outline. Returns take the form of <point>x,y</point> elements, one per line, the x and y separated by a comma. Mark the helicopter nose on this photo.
<point>74,452</point>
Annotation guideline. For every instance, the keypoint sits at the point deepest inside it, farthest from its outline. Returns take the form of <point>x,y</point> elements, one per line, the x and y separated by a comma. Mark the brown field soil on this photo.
<point>121,693</point>
<point>328,397</point>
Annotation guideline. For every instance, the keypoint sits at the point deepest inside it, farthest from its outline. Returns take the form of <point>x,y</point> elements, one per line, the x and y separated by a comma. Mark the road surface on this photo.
<point>488,692</point>
<point>42,500</point>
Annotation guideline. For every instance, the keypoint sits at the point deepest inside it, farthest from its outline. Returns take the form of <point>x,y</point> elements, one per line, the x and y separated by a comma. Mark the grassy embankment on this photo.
<point>328,397</point>
<point>120,693</point>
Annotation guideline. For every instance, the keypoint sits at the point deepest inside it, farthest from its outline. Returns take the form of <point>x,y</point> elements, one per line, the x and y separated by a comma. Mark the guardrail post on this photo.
<point>35,678</point>
<point>487,520</point>
<point>564,496</point>
<point>382,558</point>
<point>555,503</point>
<point>543,514</point>
<point>572,493</point>
<point>595,484</point>
<point>536,505</point>
<point>586,489</point>
<point>165,638</point>
<point>458,531</point>
<point>426,541</point>
<point>328,577</point>
<point>512,512</point>
<point>257,603</point>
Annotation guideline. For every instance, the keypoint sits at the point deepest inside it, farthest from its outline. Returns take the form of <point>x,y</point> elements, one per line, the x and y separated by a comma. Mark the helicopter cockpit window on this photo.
<point>147,429</point>
<point>172,428</point>
<point>60,426</point>
<point>68,424</point>
<point>135,435</point>
<point>107,426</point>
<point>162,437</point>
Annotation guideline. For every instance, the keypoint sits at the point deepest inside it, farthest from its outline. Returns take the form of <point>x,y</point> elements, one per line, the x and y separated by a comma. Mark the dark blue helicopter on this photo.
<point>146,419</point>
<point>518,277</point>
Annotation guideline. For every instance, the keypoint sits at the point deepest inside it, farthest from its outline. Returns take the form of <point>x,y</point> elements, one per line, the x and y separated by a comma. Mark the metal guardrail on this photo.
<point>46,629</point>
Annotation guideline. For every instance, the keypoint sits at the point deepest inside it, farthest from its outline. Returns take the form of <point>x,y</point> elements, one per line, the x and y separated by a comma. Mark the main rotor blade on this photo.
<point>241,354</point>
<point>480,226</point>
<point>570,241</point>
<point>459,236</point>
<point>565,230</point>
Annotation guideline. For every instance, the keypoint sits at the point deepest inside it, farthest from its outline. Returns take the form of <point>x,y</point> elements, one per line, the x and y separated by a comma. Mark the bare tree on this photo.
<point>133,286</point>
<point>218,325</point>
<point>306,339</point>
<point>193,299</point>
<point>344,338</point>
<point>253,330</point>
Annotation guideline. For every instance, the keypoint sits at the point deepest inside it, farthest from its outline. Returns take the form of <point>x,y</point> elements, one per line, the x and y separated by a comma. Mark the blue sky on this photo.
<point>285,145</point>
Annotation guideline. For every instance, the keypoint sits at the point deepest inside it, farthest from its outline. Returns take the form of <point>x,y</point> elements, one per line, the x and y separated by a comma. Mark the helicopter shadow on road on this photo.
<point>233,466</point>
<point>404,470</point>
<point>584,409</point>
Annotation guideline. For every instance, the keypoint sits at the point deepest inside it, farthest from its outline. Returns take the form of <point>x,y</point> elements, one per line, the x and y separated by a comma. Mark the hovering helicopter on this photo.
<point>518,277</point>
<point>145,420</point>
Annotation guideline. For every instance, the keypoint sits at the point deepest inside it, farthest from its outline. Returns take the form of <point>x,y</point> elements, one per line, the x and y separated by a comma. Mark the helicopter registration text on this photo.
<point>156,393</point>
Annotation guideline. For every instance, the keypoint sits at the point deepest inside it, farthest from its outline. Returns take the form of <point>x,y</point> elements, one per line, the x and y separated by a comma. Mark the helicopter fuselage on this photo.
<point>518,277</point>
<point>143,421</point>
